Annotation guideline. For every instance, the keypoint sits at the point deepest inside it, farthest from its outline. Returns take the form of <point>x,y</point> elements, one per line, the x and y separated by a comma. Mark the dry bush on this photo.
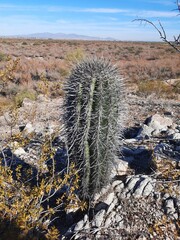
<point>5,104</point>
<point>18,99</point>
<point>159,88</point>
<point>31,200</point>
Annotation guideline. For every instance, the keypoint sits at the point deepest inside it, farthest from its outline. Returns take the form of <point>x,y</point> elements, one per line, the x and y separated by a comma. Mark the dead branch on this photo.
<point>162,33</point>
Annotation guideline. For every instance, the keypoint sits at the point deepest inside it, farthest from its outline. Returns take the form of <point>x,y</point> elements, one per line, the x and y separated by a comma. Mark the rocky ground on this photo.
<point>142,200</point>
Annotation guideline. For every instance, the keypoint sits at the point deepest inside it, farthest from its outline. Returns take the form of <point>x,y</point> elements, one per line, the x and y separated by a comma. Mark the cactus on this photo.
<point>94,113</point>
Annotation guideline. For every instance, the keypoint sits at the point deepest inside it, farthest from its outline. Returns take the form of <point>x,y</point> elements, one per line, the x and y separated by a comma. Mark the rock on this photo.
<point>170,208</point>
<point>42,98</point>
<point>137,186</point>
<point>20,152</point>
<point>118,218</point>
<point>98,219</point>
<point>145,132</point>
<point>109,219</point>
<point>168,150</point>
<point>144,188</point>
<point>178,128</point>
<point>3,121</point>
<point>131,140</point>
<point>170,132</point>
<point>108,200</point>
<point>27,102</point>
<point>29,128</point>
<point>158,123</point>
<point>175,136</point>
<point>116,183</point>
<point>103,191</point>
<point>119,167</point>
<point>112,205</point>
<point>130,185</point>
<point>79,225</point>
<point>119,188</point>
<point>149,188</point>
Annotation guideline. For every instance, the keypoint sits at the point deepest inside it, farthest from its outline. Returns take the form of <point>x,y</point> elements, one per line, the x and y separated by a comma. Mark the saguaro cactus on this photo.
<point>94,113</point>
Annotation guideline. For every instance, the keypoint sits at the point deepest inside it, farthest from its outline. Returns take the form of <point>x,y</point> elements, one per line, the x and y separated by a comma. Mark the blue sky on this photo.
<point>100,18</point>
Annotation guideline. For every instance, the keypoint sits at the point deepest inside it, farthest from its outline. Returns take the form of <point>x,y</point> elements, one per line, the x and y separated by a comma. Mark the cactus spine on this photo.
<point>94,113</point>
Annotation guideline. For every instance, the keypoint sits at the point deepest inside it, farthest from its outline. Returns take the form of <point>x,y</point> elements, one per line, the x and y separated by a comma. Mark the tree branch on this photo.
<point>162,33</point>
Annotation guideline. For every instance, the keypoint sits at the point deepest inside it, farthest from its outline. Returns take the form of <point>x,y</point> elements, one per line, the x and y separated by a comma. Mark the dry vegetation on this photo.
<point>34,62</point>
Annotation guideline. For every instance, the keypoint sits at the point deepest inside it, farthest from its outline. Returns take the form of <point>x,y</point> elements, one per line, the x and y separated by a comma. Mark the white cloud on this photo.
<point>22,8</point>
<point>88,10</point>
<point>104,10</point>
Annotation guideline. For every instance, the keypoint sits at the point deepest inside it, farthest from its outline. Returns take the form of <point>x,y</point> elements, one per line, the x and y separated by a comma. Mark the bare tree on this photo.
<point>162,33</point>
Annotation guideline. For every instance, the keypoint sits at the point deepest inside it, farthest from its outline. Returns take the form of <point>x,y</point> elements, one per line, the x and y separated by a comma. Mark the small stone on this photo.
<point>112,205</point>
<point>119,188</point>
<point>148,189</point>
<point>141,188</point>
<point>120,167</point>
<point>79,225</point>
<point>131,140</point>
<point>170,132</point>
<point>98,218</point>
<point>27,102</point>
<point>118,218</point>
<point>116,182</point>
<point>145,131</point>
<point>29,128</point>
<point>109,198</point>
<point>169,203</point>
<point>19,152</point>
<point>175,136</point>
<point>131,183</point>
<point>158,122</point>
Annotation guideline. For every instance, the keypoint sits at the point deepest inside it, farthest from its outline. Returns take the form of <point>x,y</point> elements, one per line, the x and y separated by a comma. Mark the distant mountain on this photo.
<point>47,35</point>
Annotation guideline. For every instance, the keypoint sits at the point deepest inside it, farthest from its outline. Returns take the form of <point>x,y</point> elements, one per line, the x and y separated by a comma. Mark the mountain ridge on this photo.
<point>48,35</point>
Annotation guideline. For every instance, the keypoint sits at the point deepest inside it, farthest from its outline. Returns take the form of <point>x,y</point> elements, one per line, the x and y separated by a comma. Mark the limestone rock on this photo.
<point>120,167</point>
<point>158,123</point>
<point>29,128</point>
<point>98,219</point>
<point>145,132</point>
<point>19,152</point>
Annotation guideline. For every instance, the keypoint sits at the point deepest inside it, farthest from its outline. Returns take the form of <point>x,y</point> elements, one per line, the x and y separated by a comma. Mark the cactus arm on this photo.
<point>86,136</point>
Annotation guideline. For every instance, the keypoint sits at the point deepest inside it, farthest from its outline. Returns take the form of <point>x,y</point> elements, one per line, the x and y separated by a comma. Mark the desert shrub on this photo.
<point>48,88</point>
<point>159,88</point>
<point>31,201</point>
<point>18,99</point>
<point>3,57</point>
<point>5,103</point>
<point>75,56</point>
<point>7,74</point>
<point>176,87</point>
<point>24,43</point>
<point>63,72</point>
